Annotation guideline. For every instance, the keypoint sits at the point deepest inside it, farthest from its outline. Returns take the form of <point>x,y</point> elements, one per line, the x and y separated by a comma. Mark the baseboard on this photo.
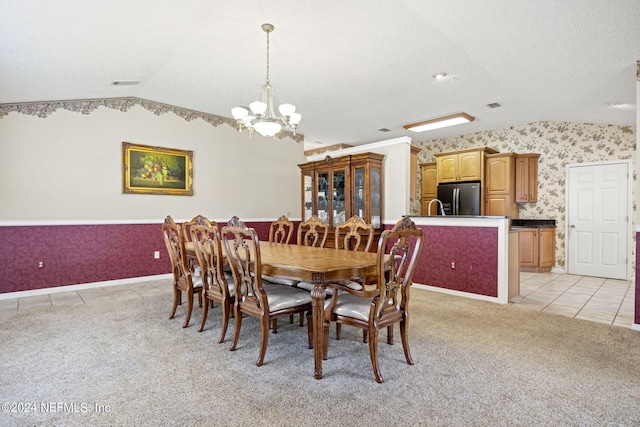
<point>454,292</point>
<point>69,288</point>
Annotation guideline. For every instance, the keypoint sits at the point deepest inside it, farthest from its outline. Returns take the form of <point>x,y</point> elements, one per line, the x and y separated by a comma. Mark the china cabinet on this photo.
<point>335,189</point>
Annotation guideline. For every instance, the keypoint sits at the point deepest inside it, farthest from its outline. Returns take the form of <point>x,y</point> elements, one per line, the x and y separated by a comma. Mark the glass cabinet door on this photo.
<point>338,214</point>
<point>307,200</point>
<point>359,193</point>
<point>376,207</point>
<point>323,180</point>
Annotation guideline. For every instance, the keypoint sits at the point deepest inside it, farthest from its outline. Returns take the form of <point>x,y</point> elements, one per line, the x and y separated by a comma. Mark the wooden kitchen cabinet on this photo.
<point>499,185</point>
<point>428,187</point>
<point>527,178</point>
<point>464,165</point>
<point>537,249</point>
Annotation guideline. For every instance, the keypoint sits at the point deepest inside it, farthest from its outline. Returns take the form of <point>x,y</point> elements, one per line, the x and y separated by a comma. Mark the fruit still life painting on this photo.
<point>156,170</point>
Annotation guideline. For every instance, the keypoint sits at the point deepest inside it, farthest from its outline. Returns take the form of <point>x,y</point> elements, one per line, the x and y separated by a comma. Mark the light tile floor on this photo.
<point>596,299</point>
<point>589,298</point>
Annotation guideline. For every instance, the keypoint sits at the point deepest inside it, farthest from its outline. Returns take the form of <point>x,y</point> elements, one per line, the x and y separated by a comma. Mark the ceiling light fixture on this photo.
<point>440,76</point>
<point>440,122</point>
<point>262,118</point>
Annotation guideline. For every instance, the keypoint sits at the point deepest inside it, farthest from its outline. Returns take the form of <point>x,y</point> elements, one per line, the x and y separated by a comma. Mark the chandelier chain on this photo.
<point>268,56</point>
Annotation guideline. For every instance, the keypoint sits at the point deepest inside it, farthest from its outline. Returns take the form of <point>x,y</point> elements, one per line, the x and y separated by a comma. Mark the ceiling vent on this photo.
<point>126,83</point>
<point>384,130</point>
<point>494,105</point>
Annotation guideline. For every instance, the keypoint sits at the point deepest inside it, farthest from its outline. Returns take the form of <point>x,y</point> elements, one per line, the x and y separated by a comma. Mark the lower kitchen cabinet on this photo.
<point>537,249</point>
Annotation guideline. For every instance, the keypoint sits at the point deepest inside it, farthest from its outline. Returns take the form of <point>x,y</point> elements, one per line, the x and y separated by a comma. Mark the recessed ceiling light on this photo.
<point>440,122</point>
<point>439,76</point>
<point>125,83</point>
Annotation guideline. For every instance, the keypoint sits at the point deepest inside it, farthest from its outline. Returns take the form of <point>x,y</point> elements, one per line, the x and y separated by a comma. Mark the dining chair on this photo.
<point>186,234</point>
<point>183,278</point>
<point>353,235</point>
<point>252,296</point>
<point>280,231</point>
<point>313,232</point>
<point>217,284</point>
<point>387,304</point>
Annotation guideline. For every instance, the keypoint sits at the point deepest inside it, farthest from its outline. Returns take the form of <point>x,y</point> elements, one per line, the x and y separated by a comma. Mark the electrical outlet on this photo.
<point>156,255</point>
<point>40,264</point>
<point>453,264</point>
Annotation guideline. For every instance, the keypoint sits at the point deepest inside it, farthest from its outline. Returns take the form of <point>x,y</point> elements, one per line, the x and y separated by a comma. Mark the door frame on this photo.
<point>630,223</point>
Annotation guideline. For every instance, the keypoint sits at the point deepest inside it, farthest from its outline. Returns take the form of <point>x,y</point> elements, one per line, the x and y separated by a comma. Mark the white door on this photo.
<point>598,225</point>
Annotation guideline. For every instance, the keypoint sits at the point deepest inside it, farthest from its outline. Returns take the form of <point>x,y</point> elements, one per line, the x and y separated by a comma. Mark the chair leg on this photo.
<point>264,340</point>
<point>176,301</point>
<point>291,319</point>
<point>405,341</point>
<point>205,310</point>
<point>274,325</point>
<point>338,330</point>
<point>226,308</point>
<point>373,353</point>
<point>301,319</point>
<point>325,331</point>
<point>364,336</point>
<point>390,335</point>
<point>309,327</point>
<point>189,308</point>
<point>236,328</point>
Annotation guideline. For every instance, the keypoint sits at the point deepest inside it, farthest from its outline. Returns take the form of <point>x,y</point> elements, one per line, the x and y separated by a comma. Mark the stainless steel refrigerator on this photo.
<point>460,198</point>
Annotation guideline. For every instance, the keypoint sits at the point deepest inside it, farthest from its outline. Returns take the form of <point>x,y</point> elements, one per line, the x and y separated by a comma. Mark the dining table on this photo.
<point>318,266</point>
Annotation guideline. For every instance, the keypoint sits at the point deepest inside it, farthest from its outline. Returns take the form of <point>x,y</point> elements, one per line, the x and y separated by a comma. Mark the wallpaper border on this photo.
<point>43,109</point>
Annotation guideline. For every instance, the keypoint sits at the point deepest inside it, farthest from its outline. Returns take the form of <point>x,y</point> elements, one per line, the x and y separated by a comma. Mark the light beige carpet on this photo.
<point>476,364</point>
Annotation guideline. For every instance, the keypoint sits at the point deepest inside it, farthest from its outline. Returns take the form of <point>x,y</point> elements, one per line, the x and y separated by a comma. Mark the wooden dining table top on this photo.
<point>307,262</point>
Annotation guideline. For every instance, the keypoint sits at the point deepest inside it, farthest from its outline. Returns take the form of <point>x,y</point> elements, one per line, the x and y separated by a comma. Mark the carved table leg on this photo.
<point>318,295</point>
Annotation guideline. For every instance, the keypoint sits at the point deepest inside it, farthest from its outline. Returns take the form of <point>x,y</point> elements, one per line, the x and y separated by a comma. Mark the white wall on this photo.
<point>68,166</point>
<point>397,173</point>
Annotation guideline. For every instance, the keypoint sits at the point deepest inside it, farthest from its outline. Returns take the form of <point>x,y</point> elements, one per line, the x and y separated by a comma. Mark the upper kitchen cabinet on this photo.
<point>463,165</point>
<point>527,178</point>
<point>335,189</point>
<point>429,187</point>
<point>499,185</point>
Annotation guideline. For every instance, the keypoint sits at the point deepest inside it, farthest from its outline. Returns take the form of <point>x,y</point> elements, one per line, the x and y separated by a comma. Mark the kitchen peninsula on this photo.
<point>472,256</point>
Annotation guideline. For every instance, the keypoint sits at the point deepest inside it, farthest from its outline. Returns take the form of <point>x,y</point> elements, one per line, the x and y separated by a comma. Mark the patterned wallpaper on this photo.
<point>559,144</point>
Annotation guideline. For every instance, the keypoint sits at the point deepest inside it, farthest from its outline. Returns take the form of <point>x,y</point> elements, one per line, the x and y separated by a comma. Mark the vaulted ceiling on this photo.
<point>351,67</point>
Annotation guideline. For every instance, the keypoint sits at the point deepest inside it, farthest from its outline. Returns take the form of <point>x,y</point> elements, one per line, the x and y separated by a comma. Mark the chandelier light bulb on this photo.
<point>258,108</point>
<point>287,109</point>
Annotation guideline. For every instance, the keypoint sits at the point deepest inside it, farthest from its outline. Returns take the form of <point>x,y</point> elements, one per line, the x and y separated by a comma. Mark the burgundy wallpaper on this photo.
<point>474,252</point>
<point>637,312</point>
<point>75,254</point>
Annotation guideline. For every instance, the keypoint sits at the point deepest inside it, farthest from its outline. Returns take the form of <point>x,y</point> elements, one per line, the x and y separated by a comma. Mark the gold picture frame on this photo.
<point>156,170</point>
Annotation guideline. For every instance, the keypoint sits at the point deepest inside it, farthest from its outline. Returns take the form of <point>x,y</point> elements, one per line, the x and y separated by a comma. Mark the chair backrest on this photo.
<point>177,254</point>
<point>198,219</point>
<point>313,232</point>
<point>243,254</point>
<point>169,220</point>
<point>208,247</point>
<point>398,252</point>
<point>281,230</point>
<point>354,234</point>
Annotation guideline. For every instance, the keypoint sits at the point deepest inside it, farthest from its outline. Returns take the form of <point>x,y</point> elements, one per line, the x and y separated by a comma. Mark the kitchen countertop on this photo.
<point>533,223</point>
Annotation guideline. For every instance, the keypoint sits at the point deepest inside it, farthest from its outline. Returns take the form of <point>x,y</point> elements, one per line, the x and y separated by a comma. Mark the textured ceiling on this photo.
<point>351,67</point>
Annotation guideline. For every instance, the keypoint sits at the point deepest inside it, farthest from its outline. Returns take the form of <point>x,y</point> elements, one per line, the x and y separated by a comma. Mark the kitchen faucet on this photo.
<point>441,207</point>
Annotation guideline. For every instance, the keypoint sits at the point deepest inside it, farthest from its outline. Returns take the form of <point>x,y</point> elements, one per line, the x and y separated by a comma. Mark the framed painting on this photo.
<point>156,170</point>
